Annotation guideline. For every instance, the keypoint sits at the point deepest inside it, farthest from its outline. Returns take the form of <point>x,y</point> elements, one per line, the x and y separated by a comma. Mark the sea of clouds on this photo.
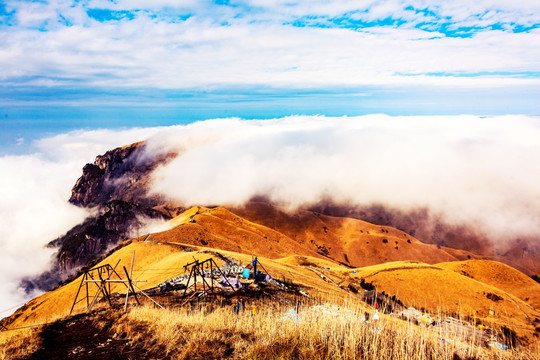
<point>471,169</point>
<point>467,169</point>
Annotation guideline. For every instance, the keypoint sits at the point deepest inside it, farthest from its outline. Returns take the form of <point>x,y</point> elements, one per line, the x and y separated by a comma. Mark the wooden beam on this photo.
<point>131,285</point>
<point>78,291</point>
<point>142,292</point>
<point>113,281</point>
<point>101,289</point>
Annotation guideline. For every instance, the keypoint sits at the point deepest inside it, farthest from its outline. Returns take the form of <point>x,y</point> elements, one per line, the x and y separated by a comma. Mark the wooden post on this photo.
<point>131,285</point>
<point>211,274</point>
<point>105,293</point>
<point>87,300</point>
<point>101,288</point>
<point>76,296</point>
<point>187,284</point>
<point>129,279</point>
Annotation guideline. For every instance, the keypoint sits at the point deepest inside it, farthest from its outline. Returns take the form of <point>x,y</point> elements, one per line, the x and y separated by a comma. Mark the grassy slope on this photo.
<point>436,289</point>
<point>162,257</point>
<point>155,262</point>
<point>501,276</point>
<point>263,229</point>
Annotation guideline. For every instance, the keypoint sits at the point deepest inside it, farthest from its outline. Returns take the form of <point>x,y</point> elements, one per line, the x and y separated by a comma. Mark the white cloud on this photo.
<point>470,169</point>
<point>34,210</point>
<point>202,52</point>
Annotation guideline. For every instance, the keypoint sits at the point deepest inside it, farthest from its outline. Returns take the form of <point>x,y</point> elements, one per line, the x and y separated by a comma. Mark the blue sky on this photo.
<point>94,63</point>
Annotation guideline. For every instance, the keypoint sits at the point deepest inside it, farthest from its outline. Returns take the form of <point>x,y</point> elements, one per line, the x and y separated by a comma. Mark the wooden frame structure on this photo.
<point>101,277</point>
<point>197,268</point>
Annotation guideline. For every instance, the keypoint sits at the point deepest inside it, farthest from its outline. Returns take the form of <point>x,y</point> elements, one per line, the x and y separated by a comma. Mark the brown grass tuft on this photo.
<point>19,344</point>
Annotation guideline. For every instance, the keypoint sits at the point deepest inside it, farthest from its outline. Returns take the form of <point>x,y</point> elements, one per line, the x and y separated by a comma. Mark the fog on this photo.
<point>481,171</point>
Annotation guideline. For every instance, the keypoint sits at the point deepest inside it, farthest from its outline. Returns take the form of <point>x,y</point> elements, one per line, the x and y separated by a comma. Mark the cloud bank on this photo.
<point>467,169</point>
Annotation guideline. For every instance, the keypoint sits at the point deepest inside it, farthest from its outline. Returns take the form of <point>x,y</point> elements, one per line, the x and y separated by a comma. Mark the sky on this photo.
<point>87,64</point>
<point>80,77</point>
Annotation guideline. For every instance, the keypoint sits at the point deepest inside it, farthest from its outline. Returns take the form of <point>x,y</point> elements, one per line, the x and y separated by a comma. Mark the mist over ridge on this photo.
<point>479,171</point>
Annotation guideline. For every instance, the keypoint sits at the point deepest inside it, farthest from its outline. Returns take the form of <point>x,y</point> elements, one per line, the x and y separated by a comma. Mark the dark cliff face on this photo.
<point>118,174</point>
<point>114,187</point>
<point>97,234</point>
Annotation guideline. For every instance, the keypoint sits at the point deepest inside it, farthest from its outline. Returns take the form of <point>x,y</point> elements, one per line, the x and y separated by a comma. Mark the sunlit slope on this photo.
<point>156,262</point>
<point>153,263</point>
<point>501,276</point>
<point>221,229</point>
<point>349,241</point>
<point>291,245</point>
<point>437,289</point>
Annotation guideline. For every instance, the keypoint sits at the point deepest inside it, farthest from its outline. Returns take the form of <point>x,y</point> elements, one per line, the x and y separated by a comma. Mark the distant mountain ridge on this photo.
<point>116,187</point>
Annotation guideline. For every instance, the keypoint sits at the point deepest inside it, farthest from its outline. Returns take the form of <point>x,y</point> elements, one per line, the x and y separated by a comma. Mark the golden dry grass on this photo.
<point>433,288</point>
<point>155,263</point>
<point>325,331</point>
<point>437,289</point>
<point>268,232</point>
<point>319,335</point>
<point>19,344</point>
<point>501,276</point>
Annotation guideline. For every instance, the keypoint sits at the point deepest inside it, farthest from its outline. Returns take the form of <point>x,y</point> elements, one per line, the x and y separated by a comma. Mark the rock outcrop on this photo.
<point>114,188</point>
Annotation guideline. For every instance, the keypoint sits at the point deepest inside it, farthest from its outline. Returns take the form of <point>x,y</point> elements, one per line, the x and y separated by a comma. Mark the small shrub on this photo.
<point>494,297</point>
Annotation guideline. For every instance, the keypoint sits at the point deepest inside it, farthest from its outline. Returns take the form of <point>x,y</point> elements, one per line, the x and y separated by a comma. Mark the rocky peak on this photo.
<point>113,175</point>
<point>115,187</point>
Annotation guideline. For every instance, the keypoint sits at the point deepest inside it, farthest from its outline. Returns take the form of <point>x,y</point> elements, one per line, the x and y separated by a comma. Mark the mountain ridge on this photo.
<point>116,189</point>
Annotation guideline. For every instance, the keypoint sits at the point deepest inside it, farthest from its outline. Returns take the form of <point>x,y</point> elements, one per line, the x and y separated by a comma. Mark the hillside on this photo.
<point>270,231</point>
<point>440,290</point>
<point>500,276</point>
<point>322,267</point>
<point>155,262</point>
